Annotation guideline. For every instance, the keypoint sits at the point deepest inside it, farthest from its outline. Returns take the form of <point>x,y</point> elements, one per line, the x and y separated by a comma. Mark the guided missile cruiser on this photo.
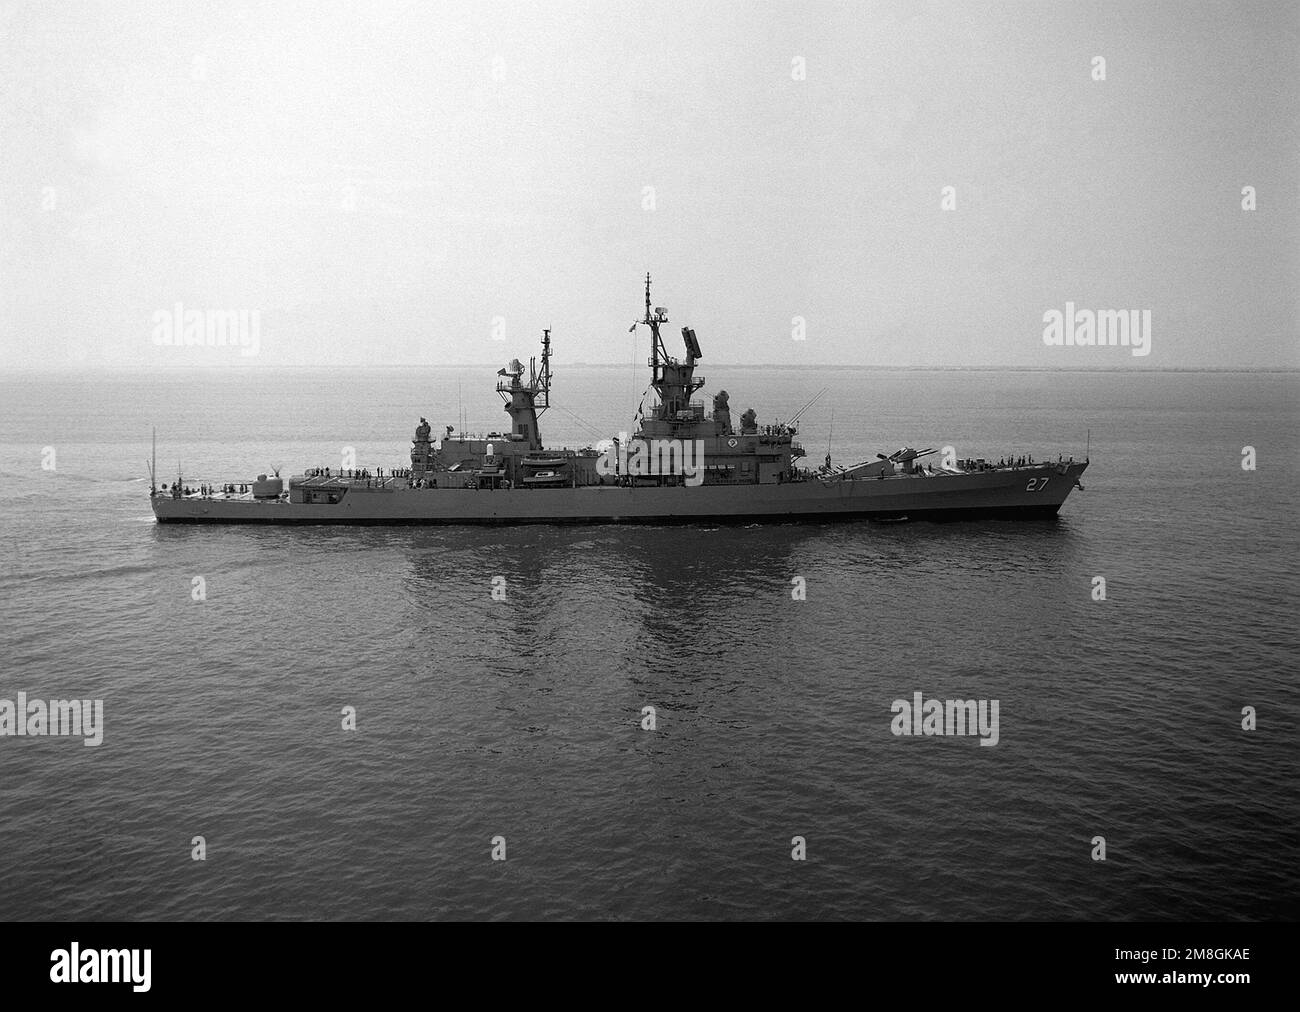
<point>684,464</point>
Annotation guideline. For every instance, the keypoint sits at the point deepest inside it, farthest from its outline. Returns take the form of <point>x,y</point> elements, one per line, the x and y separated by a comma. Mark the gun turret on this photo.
<point>906,454</point>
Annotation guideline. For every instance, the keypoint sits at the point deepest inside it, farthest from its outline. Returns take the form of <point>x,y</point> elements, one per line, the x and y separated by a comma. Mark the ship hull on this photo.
<point>1028,493</point>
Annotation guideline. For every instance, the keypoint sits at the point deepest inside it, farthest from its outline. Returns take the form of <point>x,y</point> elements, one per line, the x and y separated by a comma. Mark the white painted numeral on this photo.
<point>1036,484</point>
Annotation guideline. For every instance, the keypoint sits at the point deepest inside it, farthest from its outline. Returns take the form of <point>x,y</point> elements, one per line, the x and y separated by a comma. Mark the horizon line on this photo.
<point>247,367</point>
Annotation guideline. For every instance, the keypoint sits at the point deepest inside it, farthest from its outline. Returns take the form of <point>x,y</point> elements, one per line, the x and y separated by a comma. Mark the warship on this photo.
<point>681,465</point>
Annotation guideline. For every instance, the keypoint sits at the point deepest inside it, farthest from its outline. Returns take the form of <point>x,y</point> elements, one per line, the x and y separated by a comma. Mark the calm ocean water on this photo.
<point>520,719</point>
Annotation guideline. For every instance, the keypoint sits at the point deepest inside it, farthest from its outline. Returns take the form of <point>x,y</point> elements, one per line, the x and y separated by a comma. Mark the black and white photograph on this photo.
<point>649,461</point>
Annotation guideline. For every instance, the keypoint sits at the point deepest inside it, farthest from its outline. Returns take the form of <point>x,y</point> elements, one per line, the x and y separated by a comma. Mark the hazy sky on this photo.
<point>389,183</point>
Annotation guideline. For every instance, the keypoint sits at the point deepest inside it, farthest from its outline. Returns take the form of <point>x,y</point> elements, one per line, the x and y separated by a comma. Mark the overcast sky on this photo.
<point>388,183</point>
